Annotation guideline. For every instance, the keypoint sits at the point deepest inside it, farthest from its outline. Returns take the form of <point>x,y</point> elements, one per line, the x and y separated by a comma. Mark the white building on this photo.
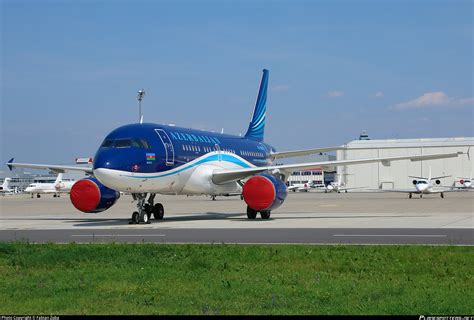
<point>377,175</point>
<point>315,174</point>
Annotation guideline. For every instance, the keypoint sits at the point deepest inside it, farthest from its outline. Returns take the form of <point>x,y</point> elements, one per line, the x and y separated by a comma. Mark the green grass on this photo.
<point>235,279</point>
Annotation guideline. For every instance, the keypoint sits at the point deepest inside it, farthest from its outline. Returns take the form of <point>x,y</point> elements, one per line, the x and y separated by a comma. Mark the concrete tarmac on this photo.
<point>304,218</point>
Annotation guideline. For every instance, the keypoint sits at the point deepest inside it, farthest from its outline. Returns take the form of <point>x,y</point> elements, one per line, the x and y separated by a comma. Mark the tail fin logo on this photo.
<point>257,124</point>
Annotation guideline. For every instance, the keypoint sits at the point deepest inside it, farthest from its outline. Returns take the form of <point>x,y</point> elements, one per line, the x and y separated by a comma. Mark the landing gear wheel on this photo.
<point>144,218</point>
<point>421,196</point>
<point>442,195</point>
<point>251,213</point>
<point>346,191</point>
<point>213,198</point>
<point>135,217</point>
<point>265,215</point>
<point>158,211</point>
<point>409,196</point>
<point>38,196</point>
<point>54,195</point>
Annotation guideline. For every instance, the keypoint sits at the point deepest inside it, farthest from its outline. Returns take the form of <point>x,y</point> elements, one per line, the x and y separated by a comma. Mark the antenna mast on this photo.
<point>141,94</point>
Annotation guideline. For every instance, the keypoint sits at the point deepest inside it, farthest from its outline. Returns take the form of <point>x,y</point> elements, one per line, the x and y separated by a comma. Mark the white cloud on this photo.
<point>280,88</point>
<point>335,94</point>
<point>434,99</point>
<point>377,95</point>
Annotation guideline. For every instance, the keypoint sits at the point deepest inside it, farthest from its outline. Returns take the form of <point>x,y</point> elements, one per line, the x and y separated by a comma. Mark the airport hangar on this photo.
<point>396,176</point>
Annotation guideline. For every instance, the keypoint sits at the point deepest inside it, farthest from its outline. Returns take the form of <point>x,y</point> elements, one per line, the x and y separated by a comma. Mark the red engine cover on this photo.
<point>461,181</point>
<point>259,193</point>
<point>85,195</point>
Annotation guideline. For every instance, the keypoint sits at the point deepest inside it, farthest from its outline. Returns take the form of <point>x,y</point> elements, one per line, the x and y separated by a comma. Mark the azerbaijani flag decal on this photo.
<point>150,157</point>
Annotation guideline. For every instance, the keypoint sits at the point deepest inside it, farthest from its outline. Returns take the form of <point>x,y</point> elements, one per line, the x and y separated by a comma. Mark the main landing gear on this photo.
<point>146,208</point>
<point>252,214</point>
<point>441,195</point>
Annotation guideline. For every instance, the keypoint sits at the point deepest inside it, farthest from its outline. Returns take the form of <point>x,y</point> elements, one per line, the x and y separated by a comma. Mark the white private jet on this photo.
<point>466,183</point>
<point>5,188</point>
<point>302,187</point>
<point>339,185</point>
<point>59,186</point>
<point>425,186</point>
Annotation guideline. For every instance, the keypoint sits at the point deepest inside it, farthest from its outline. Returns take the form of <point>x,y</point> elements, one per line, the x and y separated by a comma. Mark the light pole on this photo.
<point>141,94</point>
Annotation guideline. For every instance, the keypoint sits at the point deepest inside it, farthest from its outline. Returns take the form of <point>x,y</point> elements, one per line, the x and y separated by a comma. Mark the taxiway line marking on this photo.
<point>392,235</point>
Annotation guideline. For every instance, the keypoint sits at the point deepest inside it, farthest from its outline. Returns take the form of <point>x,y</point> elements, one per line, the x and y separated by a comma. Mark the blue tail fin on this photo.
<point>257,125</point>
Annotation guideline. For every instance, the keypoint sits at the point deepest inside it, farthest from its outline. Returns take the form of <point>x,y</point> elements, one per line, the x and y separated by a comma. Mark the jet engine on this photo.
<point>414,182</point>
<point>90,196</point>
<point>438,182</point>
<point>264,192</point>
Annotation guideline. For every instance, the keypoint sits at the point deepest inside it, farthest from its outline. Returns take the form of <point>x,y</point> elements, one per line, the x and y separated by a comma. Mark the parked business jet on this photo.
<point>146,159</point>
<point>430,185</point>
<point>302,187</point>
<point>5,187</point>
<point>59,186</point>
<point>466,183</point>
<point>339,186</point>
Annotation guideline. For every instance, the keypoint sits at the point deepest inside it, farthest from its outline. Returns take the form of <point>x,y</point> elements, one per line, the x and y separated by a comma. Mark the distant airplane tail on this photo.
<point>6,184</point>
<point>59,179</point>
<point>257,124</point>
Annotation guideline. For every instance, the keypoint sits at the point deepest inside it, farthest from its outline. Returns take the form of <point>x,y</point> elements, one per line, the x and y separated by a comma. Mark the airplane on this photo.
<point>5,187</point>
<point>59,186</point>
<point>338,186</point>
<point>302,187</point>
<point>466,183</point>
<point>425,186</point>
<point>146,159</point>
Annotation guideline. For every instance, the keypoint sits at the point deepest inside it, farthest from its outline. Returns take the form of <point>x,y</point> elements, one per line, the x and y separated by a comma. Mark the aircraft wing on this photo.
<point>221,176</point>
<point>298,153</point>
<point>352,188</point>
<point>55,168</point>
<point>440,177</point>
<point>396,190</point>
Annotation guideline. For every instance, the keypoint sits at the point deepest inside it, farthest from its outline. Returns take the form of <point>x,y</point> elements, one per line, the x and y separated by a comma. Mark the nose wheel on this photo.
<point>146,208</point>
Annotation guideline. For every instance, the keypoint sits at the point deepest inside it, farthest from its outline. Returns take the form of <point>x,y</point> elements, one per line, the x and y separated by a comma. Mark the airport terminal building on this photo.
<point>396,176</point>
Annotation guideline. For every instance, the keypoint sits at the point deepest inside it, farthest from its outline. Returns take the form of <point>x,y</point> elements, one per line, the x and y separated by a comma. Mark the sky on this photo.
<point>70,70</point>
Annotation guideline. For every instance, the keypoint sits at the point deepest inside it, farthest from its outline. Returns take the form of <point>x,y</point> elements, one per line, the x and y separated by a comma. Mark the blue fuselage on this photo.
<point>150,148</point>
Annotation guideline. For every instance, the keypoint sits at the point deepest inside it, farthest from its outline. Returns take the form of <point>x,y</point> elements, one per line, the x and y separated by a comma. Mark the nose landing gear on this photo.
<point>146,208</point>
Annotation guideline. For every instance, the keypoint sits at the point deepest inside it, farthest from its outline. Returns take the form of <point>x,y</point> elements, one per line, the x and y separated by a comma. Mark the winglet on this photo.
<point>468,153</point>
<point>9,165</point>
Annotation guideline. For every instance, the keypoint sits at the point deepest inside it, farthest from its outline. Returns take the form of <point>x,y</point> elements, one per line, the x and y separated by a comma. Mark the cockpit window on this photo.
<point>145,143</point>
<point>107,144</point>
<point>422,182</point>
<point>126,143</point>
<point>123,143</point>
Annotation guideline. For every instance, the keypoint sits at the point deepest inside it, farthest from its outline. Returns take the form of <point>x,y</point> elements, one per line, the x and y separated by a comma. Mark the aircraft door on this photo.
<point>169,149</point>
